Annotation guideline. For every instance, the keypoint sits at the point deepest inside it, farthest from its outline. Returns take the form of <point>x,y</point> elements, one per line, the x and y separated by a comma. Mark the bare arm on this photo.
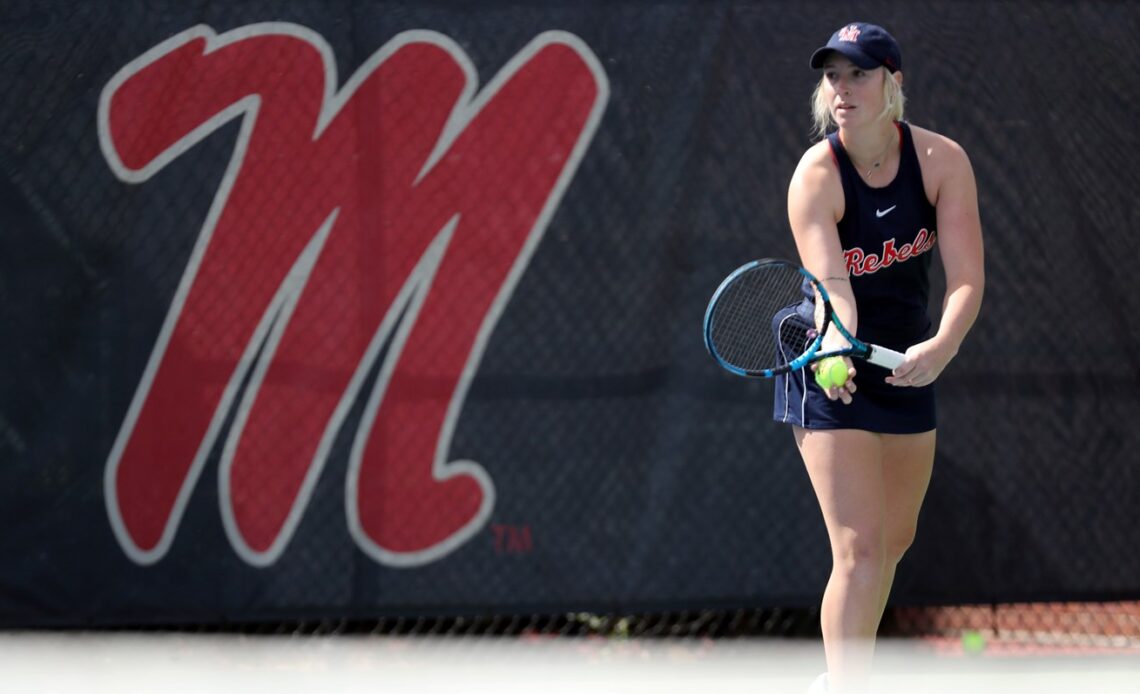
<point>960,244</point>
<point>815,205</point>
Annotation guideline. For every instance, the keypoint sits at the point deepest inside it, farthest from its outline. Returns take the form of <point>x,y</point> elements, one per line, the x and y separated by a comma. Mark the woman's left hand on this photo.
<point>924,363</point>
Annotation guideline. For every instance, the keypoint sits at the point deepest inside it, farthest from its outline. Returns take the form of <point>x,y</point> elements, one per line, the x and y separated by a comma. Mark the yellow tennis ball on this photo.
<point>973,642</point>
<point>831,372</point>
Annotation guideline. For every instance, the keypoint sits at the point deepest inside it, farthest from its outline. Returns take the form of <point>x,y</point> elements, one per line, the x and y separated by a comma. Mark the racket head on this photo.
<point>755,324</point>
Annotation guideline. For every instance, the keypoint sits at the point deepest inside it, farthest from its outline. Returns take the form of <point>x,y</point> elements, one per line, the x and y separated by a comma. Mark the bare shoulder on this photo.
<point>816,183</point>
<point>815,164</point>
<point>946,168</point>
<point>939,155</point>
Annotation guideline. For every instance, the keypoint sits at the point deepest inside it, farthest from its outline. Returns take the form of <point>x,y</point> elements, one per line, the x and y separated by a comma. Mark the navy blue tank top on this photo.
<point>888,235</point>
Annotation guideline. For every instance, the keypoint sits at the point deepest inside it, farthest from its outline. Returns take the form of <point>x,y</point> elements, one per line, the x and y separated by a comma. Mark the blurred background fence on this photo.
<point>388,313</point>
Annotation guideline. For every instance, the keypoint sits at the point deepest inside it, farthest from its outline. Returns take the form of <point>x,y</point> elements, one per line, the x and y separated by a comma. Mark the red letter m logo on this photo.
<point>390,217</point>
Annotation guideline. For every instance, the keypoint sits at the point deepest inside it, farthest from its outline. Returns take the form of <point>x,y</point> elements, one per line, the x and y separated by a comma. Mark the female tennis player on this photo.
<point>867,205</point>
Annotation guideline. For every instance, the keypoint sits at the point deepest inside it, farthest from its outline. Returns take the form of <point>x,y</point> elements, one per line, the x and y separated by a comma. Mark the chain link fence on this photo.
<point>638,492</point>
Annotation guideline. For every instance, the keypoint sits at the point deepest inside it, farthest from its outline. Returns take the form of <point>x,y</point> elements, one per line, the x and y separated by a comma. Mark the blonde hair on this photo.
<point>894,104</point>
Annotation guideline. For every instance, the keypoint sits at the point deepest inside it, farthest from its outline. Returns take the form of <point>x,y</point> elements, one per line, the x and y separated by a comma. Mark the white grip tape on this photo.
<point>886,358</point>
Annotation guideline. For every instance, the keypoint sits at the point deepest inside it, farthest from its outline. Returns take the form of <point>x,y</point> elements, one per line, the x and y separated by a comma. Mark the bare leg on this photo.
<point>846,471</point>
<point>908,461</point>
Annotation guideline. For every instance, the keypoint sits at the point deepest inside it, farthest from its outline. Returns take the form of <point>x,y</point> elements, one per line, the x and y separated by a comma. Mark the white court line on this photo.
<point>122,663</point>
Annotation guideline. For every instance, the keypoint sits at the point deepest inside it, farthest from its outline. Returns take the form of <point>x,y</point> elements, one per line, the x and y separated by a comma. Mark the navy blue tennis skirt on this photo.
<point>876,405</point>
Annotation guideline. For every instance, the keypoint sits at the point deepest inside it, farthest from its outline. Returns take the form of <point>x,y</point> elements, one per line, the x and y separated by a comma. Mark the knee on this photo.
<point>860,555</point>
<point>898,542</point>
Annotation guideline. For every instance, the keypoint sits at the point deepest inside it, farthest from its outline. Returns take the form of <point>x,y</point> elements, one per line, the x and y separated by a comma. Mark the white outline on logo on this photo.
<point>271,327</point>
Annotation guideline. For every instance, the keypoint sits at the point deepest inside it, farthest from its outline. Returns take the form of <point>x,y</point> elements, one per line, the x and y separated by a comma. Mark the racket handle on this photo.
<point>886,358</point>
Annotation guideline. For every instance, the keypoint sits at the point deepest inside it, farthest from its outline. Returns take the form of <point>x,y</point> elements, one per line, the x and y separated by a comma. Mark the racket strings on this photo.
<point>755,324</point>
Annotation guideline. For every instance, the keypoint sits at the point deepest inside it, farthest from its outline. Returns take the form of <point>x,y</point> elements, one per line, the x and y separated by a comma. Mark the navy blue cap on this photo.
<point>866,45</point>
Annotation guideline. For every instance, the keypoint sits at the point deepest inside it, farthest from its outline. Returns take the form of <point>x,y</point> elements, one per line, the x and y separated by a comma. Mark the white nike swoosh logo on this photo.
<point>884,213</point>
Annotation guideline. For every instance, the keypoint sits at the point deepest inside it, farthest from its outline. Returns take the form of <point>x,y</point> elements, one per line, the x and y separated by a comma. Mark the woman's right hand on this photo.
<point>844,392</point>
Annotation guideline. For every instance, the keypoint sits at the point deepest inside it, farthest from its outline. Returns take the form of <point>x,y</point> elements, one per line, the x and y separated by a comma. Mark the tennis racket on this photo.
<point>762,322</point>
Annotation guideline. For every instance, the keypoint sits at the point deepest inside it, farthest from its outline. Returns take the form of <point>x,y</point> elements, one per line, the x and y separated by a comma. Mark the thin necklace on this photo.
<point>878,160</point>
